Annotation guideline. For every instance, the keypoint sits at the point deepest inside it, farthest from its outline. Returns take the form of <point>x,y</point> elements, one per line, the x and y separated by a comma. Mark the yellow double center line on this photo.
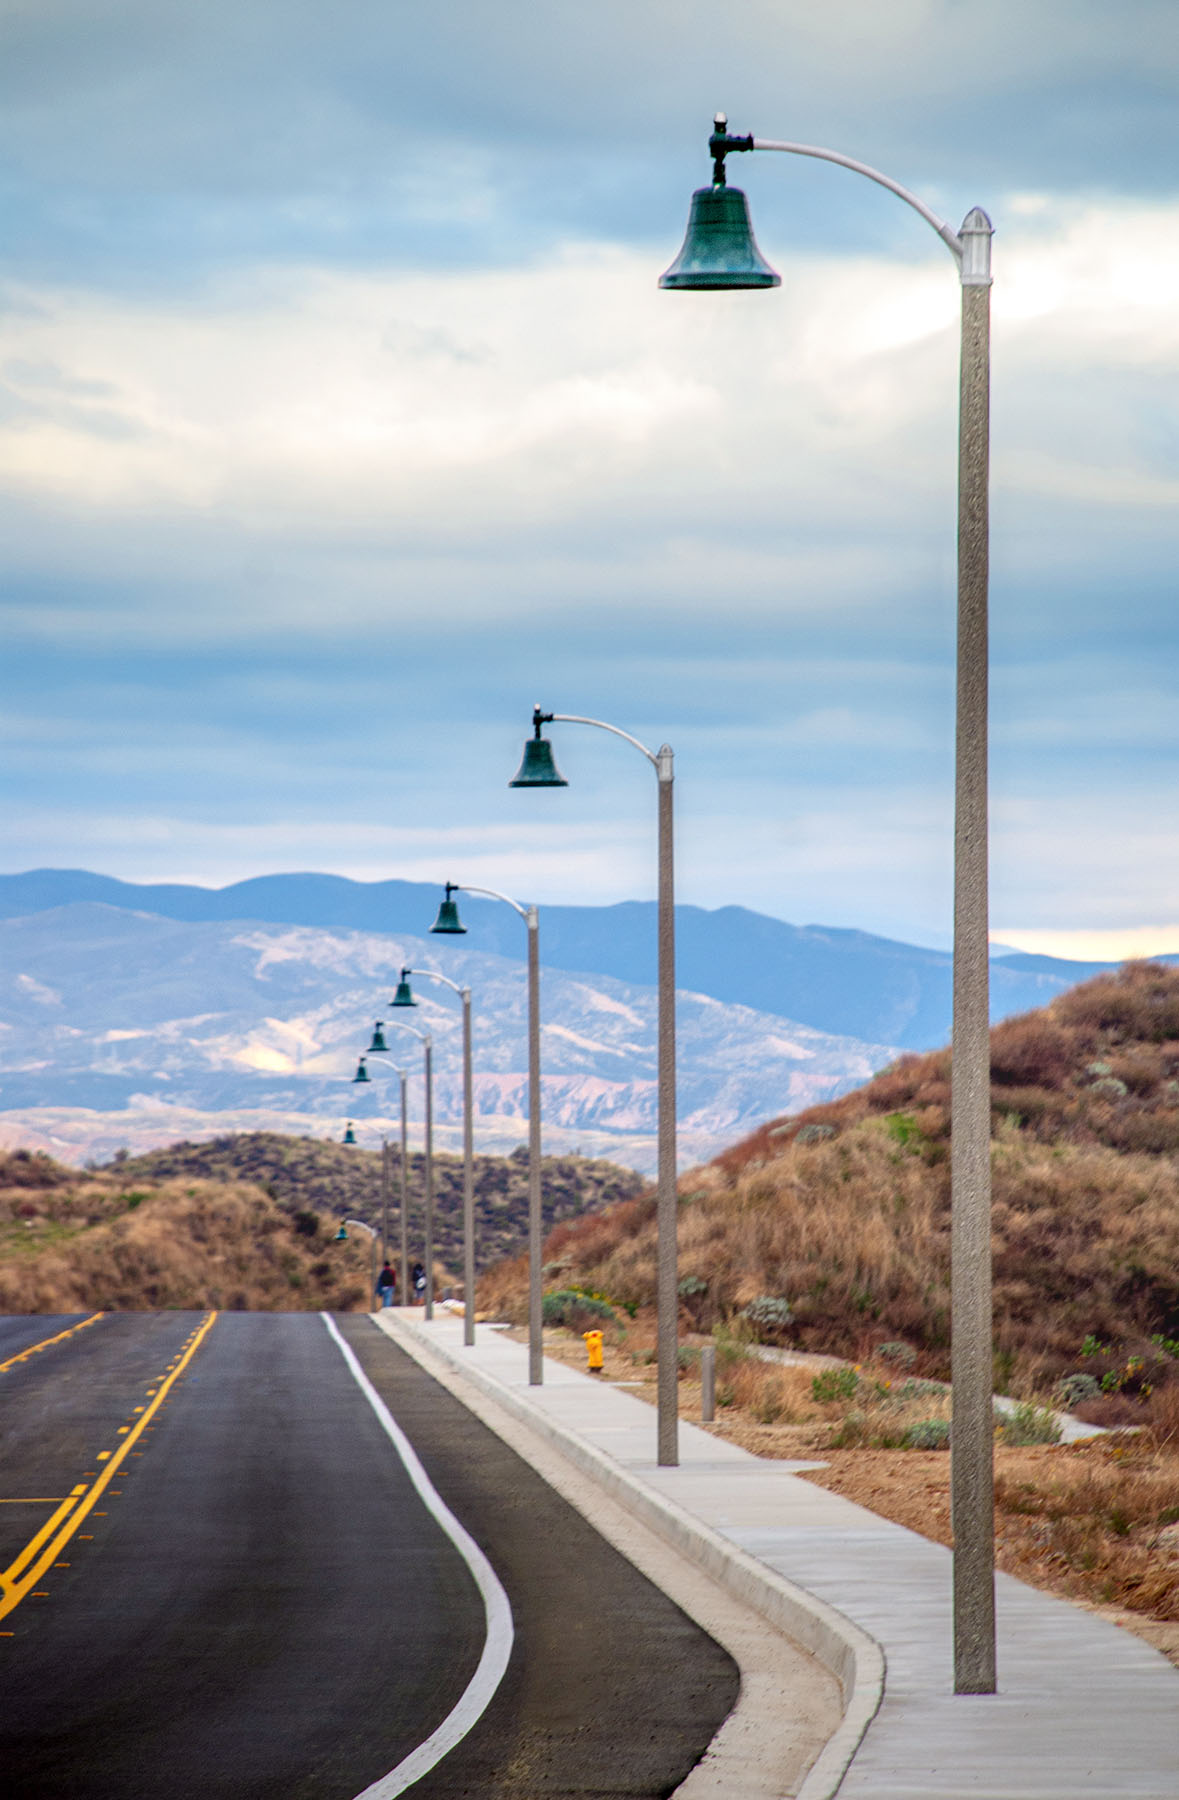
<point>22,1575</point>
<point>32,1349</point>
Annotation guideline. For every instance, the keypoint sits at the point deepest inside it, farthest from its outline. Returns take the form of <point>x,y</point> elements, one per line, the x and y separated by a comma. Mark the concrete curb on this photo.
<point>855,1659</point>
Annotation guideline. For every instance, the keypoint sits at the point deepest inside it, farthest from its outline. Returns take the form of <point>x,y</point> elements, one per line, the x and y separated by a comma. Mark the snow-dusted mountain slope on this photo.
<point>106,1011</point>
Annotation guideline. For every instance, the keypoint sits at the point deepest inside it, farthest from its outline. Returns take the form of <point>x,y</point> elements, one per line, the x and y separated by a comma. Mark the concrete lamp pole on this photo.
<point>720,252</point>
<point>377,1047</point>
<point>539,770</point>
<point>405,997</point>
<point>385,1186</point>
<point>448,924</point>
<point>404,1186</point>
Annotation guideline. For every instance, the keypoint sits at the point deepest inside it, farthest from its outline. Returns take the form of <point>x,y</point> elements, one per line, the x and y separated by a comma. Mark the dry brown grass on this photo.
<point>770,1395</point>
<point>1094,1519</point>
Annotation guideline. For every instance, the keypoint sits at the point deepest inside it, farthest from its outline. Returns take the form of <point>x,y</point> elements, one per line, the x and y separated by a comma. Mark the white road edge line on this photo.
<point>497,1647</point>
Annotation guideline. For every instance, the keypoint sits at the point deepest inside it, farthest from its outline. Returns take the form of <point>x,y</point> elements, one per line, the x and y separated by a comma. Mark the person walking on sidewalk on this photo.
<point>387,1284</point>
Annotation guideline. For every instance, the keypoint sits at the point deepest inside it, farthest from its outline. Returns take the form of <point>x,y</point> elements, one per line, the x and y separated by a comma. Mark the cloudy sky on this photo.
<point>341,419</point>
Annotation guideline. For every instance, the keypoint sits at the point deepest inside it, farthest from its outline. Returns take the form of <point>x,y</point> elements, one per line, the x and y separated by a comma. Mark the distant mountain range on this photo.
<point>135,1014</point>
<point>131,1024</point>
<point>848,983</point>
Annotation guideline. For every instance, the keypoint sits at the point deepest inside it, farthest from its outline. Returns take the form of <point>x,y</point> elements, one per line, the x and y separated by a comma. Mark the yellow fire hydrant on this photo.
<point>593,1350</point>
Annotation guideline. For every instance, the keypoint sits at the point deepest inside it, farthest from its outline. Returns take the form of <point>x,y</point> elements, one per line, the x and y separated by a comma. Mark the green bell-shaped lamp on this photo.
<point>448,923</point>
<point>404,994</point>
<point>362,1073</point>
<point>341,1236</point>
<point>349,1134</point>
<point>538,769</point>
<point>720,250</point>
<point>378,1047</point>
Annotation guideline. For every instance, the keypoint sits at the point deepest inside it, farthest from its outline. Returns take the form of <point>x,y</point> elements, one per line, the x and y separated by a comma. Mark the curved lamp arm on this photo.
<point>465,887</point>
<point>946,232</point>
<point>601,725</point>
<point>661,761</point>
<point>433,975</point>
<point>404,1025</point>
<point>361,1225</point>
<point>970,247</point>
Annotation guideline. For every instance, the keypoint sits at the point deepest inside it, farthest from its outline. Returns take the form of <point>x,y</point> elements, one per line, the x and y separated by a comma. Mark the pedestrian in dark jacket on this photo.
<point>387,1285</point>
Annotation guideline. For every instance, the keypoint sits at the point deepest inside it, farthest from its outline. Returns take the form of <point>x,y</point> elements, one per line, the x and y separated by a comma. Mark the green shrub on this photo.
<point>813,1134</point>
<point>690,1286</point>
<point>577,1312</point>
<point>903,1355</point>
<point>834,1384</point>
<point>1071,1390</point>
<point>768,1315</point>
<point>915,1388</point>
<point>928,1434</point>
<point>1029,1424</point>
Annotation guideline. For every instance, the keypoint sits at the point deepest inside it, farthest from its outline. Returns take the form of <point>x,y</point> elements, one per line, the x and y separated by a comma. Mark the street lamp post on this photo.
<point>404,997</point>
<point>719,251</point>
<point>538,769</point>
<point>385,1186</point>
<point>373,1234</point>
<point>404,1184</point>
<point>448,924</point>
<point>377,1047</point>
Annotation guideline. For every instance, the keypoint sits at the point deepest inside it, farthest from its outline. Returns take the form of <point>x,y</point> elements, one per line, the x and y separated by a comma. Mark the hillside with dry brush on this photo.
<point>843,1211</point>
<point>79,1243</point>
<point>247,1222</point>
<point>312,1172</point>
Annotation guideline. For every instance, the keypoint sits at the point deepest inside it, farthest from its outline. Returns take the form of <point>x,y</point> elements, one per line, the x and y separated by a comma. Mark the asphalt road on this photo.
<point>257,1603</point>
<point>30,1333</point>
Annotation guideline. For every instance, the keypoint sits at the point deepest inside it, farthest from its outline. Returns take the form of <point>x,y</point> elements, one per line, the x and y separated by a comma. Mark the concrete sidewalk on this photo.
<point>1083,1709</point>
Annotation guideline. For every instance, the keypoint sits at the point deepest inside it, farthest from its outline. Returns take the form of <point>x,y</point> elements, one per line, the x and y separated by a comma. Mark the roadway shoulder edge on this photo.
<point>854,1658</point>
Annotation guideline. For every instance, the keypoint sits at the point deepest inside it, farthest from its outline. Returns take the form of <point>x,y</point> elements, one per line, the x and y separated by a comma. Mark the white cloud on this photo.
<point>403,418</point>
<point>1093,946</point>
<point>733,514</point>
<point>1103,860</point>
